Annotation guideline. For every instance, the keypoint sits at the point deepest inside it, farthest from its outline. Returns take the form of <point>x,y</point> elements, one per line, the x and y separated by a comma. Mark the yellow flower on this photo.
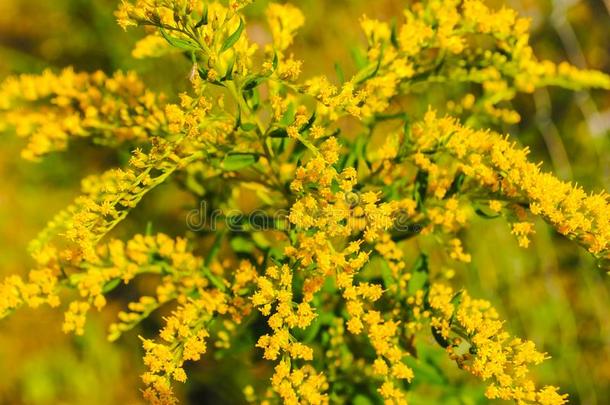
<point>284,20</point>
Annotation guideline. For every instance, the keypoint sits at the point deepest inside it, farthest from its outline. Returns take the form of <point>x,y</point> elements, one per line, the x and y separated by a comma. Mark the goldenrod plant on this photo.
<point>354,188</point>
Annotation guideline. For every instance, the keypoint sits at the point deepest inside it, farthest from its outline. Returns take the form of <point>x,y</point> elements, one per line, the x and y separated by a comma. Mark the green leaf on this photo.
<point>254,99</point>
<point>204,17</point>
<point>394,34</point>
<point>278,133</point>
<point>309,123</point>
<point>485,215</point>
<point>340,74</point>
<point>111,285</point>
<point>456,184</point>
<point>386,117</point>
<point>386,274</point>
<point>252,83</point>
<point>358,57</point>
<point>275,61</point>
<point>405,148</point>
<point>368,72</point>
<point>260,240</point>
<point>426,372</point>
<point>289,114</point>
<point>242,245</point>
<point>421,265</point>
<point>215,247</point>
<point>417,282</point>
<point>238,118</point>
<point>248,126</point>
<point>420,275</point>
<point>149,228</point>
<point>335,187</point>
<point>440,339</point>
<point>213,279</point>
<point>238,161</point>
<point>360,149</point>
<point>234,37</point>
<point>456,300</point>
<point>360,399</point>
<point>229,73</point>
<point>194,185</point>
<point>184,44</point>
<point>421,187</point>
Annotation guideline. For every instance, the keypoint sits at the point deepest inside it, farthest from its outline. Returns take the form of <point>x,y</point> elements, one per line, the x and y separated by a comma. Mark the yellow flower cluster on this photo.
<point>326,212</point>
<point>110,110</point>
<point>183,338</point>
<point>276,285</point>
<point>503,169</point>
<point>108,198</point>
<point>40,288</point>
<point>299,386</point>
<point>274,293</point>
<point>492,352</point>
<point>330,296</point>
<point>210,32</point>
<point>431,46</point>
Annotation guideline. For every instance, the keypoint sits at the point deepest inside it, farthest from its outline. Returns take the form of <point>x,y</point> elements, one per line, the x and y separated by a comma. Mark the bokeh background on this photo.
<point>551,293</point>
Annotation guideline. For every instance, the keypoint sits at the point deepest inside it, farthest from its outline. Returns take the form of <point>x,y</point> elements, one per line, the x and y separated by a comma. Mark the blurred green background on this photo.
<point>551,293</point>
